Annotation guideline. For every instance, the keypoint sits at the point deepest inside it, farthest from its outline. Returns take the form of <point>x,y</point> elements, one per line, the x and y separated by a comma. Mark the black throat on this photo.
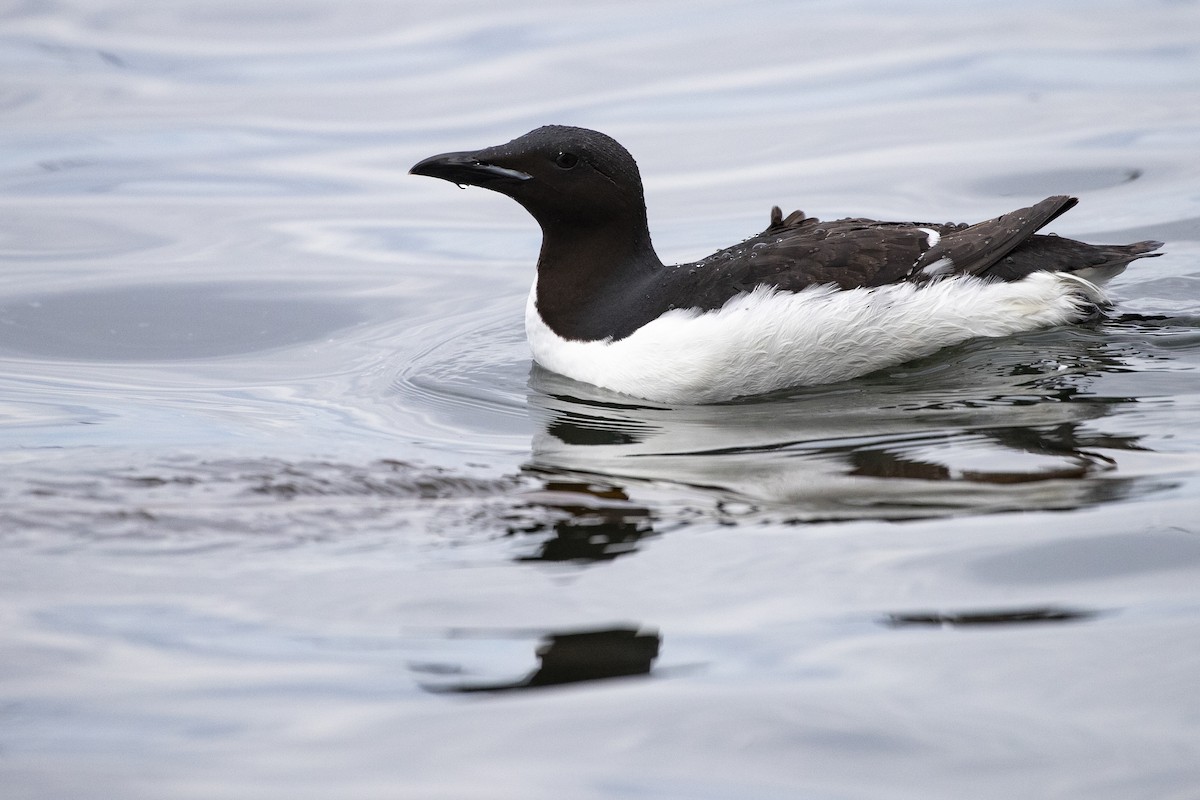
<point>597,282</point>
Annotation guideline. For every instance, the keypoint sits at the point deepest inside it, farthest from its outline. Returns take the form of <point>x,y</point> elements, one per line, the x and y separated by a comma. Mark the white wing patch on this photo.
<point>766,340</point>
<point>933,236</point>
<point>943,266</point>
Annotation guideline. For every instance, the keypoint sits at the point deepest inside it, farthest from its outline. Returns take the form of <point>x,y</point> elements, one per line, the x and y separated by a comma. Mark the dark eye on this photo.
<point>566,160</point>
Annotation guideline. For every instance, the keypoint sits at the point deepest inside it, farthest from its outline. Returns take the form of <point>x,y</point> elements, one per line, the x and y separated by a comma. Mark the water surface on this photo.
<point>286,511</point>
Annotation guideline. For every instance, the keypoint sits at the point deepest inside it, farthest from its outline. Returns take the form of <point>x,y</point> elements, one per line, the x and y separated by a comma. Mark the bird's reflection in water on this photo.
<point>578,656</point>
<point>585,522</point>
<point>1068,453</point>
<point>993,426</point>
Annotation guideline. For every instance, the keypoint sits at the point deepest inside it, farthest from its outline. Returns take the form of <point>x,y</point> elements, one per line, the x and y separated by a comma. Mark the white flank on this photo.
<point>766,340</point>
<point>934,236</point>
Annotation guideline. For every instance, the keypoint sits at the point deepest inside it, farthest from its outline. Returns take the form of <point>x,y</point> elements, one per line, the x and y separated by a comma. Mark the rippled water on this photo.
<point>285,511</point>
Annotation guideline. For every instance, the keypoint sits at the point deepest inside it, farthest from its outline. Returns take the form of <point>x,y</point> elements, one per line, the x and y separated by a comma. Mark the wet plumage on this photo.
<point>605,309</point>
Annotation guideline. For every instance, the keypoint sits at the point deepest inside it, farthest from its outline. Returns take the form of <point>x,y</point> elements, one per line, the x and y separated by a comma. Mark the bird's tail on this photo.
<point>1115,259</point>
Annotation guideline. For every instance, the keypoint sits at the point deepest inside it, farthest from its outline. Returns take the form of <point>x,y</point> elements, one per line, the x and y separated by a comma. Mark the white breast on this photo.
<point>766,340</point>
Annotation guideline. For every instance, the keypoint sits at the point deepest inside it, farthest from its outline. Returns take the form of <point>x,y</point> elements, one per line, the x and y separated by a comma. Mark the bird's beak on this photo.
<point>468,169</point>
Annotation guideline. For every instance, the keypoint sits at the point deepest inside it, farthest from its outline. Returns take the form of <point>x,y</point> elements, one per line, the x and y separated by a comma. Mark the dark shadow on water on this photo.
<point>577,657</point>
<point>1013,616</point>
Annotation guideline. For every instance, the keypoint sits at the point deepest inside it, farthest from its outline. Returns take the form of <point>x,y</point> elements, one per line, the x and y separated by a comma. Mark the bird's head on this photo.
<point>571,178</point>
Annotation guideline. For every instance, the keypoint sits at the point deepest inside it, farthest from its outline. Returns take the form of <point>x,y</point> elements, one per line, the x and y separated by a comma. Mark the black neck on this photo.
<point>589,279</point>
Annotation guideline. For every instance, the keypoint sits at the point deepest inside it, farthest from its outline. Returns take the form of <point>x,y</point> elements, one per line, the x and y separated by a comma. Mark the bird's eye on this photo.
<point>566,160</point>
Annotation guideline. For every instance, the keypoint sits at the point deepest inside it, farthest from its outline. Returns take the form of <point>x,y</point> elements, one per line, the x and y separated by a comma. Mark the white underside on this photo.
<point>766,340</point>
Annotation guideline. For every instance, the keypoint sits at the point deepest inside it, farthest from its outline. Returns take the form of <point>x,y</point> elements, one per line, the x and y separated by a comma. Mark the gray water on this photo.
<point>285,510</point>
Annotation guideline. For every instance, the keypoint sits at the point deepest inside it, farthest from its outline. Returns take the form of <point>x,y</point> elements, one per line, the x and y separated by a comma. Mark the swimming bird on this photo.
<point>805,302</point>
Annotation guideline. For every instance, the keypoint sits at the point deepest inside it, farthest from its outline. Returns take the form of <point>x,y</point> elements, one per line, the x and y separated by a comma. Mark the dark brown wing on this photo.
<point>800,251</point>
<point>976,248</point>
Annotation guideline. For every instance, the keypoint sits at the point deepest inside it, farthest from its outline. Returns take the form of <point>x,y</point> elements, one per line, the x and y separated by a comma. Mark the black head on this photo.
<point>564,176</point>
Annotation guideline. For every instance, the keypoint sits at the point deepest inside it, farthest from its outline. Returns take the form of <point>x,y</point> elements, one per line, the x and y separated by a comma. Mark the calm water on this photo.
<point>286,512</point>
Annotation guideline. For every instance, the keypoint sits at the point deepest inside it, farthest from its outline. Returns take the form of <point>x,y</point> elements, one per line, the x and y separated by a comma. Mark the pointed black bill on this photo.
<point>466,169</point>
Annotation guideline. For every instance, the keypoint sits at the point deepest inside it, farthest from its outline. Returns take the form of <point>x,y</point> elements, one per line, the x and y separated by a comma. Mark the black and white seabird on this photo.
<point>804,302</point>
